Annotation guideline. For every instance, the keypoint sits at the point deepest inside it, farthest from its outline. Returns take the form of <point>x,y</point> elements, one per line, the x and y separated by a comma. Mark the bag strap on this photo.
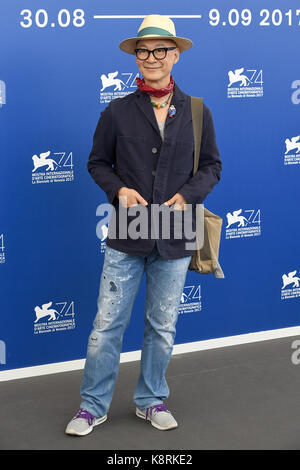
<point>197,117</point>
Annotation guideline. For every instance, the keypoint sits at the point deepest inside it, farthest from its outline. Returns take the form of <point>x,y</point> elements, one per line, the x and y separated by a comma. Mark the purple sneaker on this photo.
<point>83,423</point>
<point>159,415</point>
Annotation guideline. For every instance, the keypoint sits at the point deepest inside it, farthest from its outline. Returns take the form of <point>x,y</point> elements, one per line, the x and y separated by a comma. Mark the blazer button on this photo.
<point>154,150</point>
<point>153,172</point>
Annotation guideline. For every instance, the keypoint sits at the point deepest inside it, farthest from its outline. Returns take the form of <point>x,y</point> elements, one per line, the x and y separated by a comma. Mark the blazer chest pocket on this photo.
<point>183,158</point>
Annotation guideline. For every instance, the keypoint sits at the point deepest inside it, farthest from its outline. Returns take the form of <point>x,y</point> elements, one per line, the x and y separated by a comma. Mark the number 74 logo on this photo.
<point>191,292</point>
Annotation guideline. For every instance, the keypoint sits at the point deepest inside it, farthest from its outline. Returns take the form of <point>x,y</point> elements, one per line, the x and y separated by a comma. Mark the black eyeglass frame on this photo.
<point>166,49</point>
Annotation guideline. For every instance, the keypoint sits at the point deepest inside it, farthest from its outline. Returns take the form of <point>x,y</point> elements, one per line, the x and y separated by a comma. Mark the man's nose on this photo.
<point>151,57</point>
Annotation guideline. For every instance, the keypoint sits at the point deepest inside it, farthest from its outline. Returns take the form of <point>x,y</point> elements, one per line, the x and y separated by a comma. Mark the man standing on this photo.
<point>142,156</point>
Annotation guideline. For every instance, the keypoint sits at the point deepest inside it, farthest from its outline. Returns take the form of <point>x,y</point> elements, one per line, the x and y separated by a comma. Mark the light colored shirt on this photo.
<point>161,126</point>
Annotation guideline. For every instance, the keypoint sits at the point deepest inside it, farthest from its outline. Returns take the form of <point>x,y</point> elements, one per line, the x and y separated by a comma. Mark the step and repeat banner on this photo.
<point>60,67</point>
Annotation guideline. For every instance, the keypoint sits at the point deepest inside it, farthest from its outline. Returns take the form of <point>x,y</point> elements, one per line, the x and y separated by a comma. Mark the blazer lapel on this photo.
<point>144,104</point>
<point>178,100</point>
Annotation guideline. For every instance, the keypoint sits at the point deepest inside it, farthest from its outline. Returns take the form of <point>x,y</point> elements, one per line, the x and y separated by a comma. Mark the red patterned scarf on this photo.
<point>154,91</point>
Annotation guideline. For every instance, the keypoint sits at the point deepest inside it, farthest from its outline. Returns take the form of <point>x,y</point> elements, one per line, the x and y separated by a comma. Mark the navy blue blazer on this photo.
<point>128,151</point>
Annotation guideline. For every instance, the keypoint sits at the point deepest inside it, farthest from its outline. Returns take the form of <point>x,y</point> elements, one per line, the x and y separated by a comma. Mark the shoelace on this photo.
<point>85,415</point>
<point>160,407</point>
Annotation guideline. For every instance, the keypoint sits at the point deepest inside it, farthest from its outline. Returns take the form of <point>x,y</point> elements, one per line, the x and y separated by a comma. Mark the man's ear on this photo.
<point>176,55</point>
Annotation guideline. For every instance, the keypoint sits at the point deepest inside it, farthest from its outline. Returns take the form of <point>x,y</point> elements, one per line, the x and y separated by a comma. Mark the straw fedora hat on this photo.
<point>154,27</point>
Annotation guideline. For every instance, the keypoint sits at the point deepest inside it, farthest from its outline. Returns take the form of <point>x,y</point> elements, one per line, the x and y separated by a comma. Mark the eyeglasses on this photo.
<point>158,53</point>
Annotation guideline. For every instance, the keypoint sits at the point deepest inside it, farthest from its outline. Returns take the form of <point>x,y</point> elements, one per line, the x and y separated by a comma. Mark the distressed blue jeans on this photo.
<point>120,280</point>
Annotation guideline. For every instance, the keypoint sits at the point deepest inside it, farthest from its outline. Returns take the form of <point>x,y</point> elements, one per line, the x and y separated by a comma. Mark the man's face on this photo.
<point>154,70</point>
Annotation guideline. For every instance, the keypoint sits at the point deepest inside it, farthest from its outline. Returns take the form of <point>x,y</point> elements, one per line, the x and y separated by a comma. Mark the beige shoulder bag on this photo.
<point>205,258</point>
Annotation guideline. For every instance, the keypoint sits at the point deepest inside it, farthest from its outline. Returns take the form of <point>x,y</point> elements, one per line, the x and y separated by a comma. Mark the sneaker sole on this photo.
<point>73,432</point>
<point>155,425</point>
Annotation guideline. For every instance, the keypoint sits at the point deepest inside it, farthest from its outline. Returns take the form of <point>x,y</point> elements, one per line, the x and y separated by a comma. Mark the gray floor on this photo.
<point>238,397</point>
